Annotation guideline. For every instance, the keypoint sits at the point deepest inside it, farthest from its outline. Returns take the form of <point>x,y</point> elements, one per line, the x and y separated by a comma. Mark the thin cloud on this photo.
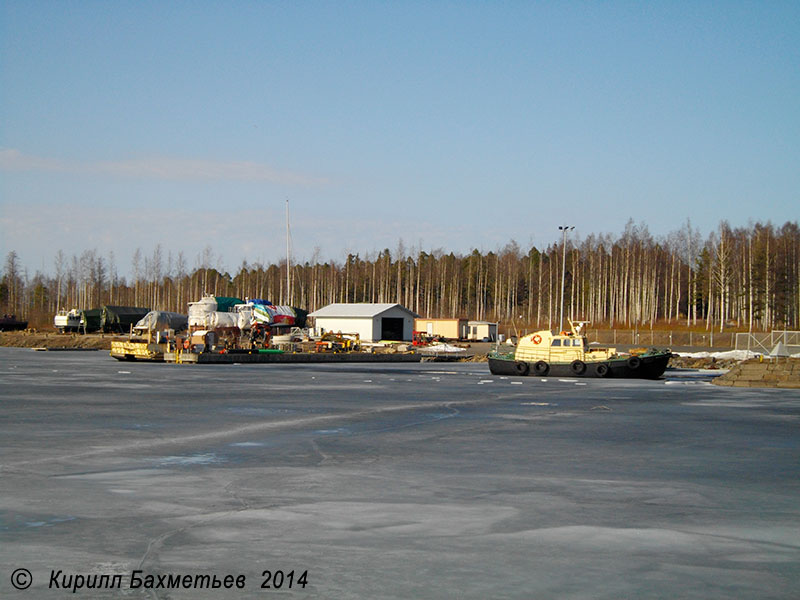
<point>14,160</point>
<point>160,168</point>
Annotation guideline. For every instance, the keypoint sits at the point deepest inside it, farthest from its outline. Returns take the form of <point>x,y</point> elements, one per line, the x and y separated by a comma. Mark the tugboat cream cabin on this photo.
<point>568,354</point>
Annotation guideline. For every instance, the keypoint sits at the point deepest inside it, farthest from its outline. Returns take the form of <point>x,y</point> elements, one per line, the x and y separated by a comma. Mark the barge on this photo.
<point>255,356</point>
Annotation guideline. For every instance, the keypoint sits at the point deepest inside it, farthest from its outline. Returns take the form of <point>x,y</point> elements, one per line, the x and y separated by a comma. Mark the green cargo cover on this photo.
<point>226,303</point>
<point>120,319</point>
<point>90,320</point>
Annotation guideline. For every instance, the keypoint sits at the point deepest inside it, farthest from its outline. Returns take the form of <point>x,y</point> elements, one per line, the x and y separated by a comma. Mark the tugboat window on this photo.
<point>556,343</point>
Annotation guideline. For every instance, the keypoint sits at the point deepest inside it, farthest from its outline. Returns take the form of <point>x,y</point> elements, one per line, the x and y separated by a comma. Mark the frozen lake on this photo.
<point>406,481</point>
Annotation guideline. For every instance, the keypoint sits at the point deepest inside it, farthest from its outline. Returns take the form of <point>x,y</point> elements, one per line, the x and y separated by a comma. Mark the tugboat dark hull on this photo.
<point>644,366</point>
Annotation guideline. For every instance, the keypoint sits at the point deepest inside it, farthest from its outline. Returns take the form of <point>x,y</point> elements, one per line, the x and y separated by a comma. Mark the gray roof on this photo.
<point>361,309</point>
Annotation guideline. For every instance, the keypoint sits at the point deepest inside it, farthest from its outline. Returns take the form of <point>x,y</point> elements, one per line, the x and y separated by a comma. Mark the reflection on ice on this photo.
<point>194,459</point>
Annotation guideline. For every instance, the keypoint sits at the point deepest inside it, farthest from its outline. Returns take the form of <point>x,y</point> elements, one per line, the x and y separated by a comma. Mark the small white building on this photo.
<point>372,322</point>
<point>482,331</point>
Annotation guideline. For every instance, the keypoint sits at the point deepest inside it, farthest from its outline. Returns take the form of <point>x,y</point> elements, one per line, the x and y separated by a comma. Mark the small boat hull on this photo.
<point>67,321</point>
<point>12,324</point>
<point>644,366</point>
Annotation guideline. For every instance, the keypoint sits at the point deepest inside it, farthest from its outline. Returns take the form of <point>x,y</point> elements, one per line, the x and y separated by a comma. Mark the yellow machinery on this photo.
<point>148,348</point>
<point>338,342</point>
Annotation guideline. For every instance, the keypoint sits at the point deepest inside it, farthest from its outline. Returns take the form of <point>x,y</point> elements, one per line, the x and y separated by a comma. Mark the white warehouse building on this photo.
<point>372,322</point>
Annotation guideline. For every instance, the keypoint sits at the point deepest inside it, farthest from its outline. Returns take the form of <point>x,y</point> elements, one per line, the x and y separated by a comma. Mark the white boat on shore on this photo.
<point>67,320</point>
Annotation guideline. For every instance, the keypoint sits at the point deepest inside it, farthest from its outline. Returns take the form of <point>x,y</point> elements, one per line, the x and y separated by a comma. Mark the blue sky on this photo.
<point>452,125</point>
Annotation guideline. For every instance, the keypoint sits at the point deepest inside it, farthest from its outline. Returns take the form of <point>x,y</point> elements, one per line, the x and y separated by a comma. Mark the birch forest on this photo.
<point>733,279</point>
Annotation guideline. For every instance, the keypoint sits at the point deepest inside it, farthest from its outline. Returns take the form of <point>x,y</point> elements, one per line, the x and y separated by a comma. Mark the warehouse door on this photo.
<point>392,328</point>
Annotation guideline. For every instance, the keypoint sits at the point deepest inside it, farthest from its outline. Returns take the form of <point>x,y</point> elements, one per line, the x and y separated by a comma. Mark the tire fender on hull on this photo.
<point>541,368</point>
<point>634,362</point>
<point>578,367</point>
<point>521,368</point>
<point>602,370</point>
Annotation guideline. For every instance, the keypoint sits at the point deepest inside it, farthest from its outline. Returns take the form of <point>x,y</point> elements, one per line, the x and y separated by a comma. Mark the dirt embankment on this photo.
<point>28,339</point>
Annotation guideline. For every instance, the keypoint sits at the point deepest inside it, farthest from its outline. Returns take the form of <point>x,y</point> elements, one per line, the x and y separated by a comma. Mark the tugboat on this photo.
<point>567,354</point>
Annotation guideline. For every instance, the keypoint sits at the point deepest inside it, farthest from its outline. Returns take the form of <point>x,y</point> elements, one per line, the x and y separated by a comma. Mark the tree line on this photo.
<point>745,278</point>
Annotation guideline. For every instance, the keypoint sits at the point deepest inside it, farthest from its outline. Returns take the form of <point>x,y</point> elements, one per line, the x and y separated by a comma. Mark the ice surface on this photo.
<point>397,488</point>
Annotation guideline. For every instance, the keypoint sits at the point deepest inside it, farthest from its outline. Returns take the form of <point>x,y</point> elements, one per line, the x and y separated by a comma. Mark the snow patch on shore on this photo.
<point>727,355</point>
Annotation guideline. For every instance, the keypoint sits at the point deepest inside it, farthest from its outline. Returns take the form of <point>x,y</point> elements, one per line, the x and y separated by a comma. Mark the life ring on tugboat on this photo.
<point>186,344</point>
<point>537,339</point>
<point>521,368</point>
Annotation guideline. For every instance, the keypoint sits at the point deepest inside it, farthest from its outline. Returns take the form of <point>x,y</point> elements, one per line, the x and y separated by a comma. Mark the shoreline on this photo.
<point>53,339</point>
<point>102,341</point>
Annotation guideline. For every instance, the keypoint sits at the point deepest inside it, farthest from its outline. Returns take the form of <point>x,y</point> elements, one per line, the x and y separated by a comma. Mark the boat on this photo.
<point>12,323</point>
<point>568,354</point>
<point>67,320</point>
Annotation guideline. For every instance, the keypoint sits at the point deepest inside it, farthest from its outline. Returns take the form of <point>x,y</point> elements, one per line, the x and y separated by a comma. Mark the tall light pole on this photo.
<point>564,229</point>
<point>288,260</point>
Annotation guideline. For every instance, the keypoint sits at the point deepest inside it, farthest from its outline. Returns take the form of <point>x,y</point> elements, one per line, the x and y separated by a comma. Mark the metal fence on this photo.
<point>658,338</point>
<point>765,342</point>
<point>668,339</point>
<point>755,342</point>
